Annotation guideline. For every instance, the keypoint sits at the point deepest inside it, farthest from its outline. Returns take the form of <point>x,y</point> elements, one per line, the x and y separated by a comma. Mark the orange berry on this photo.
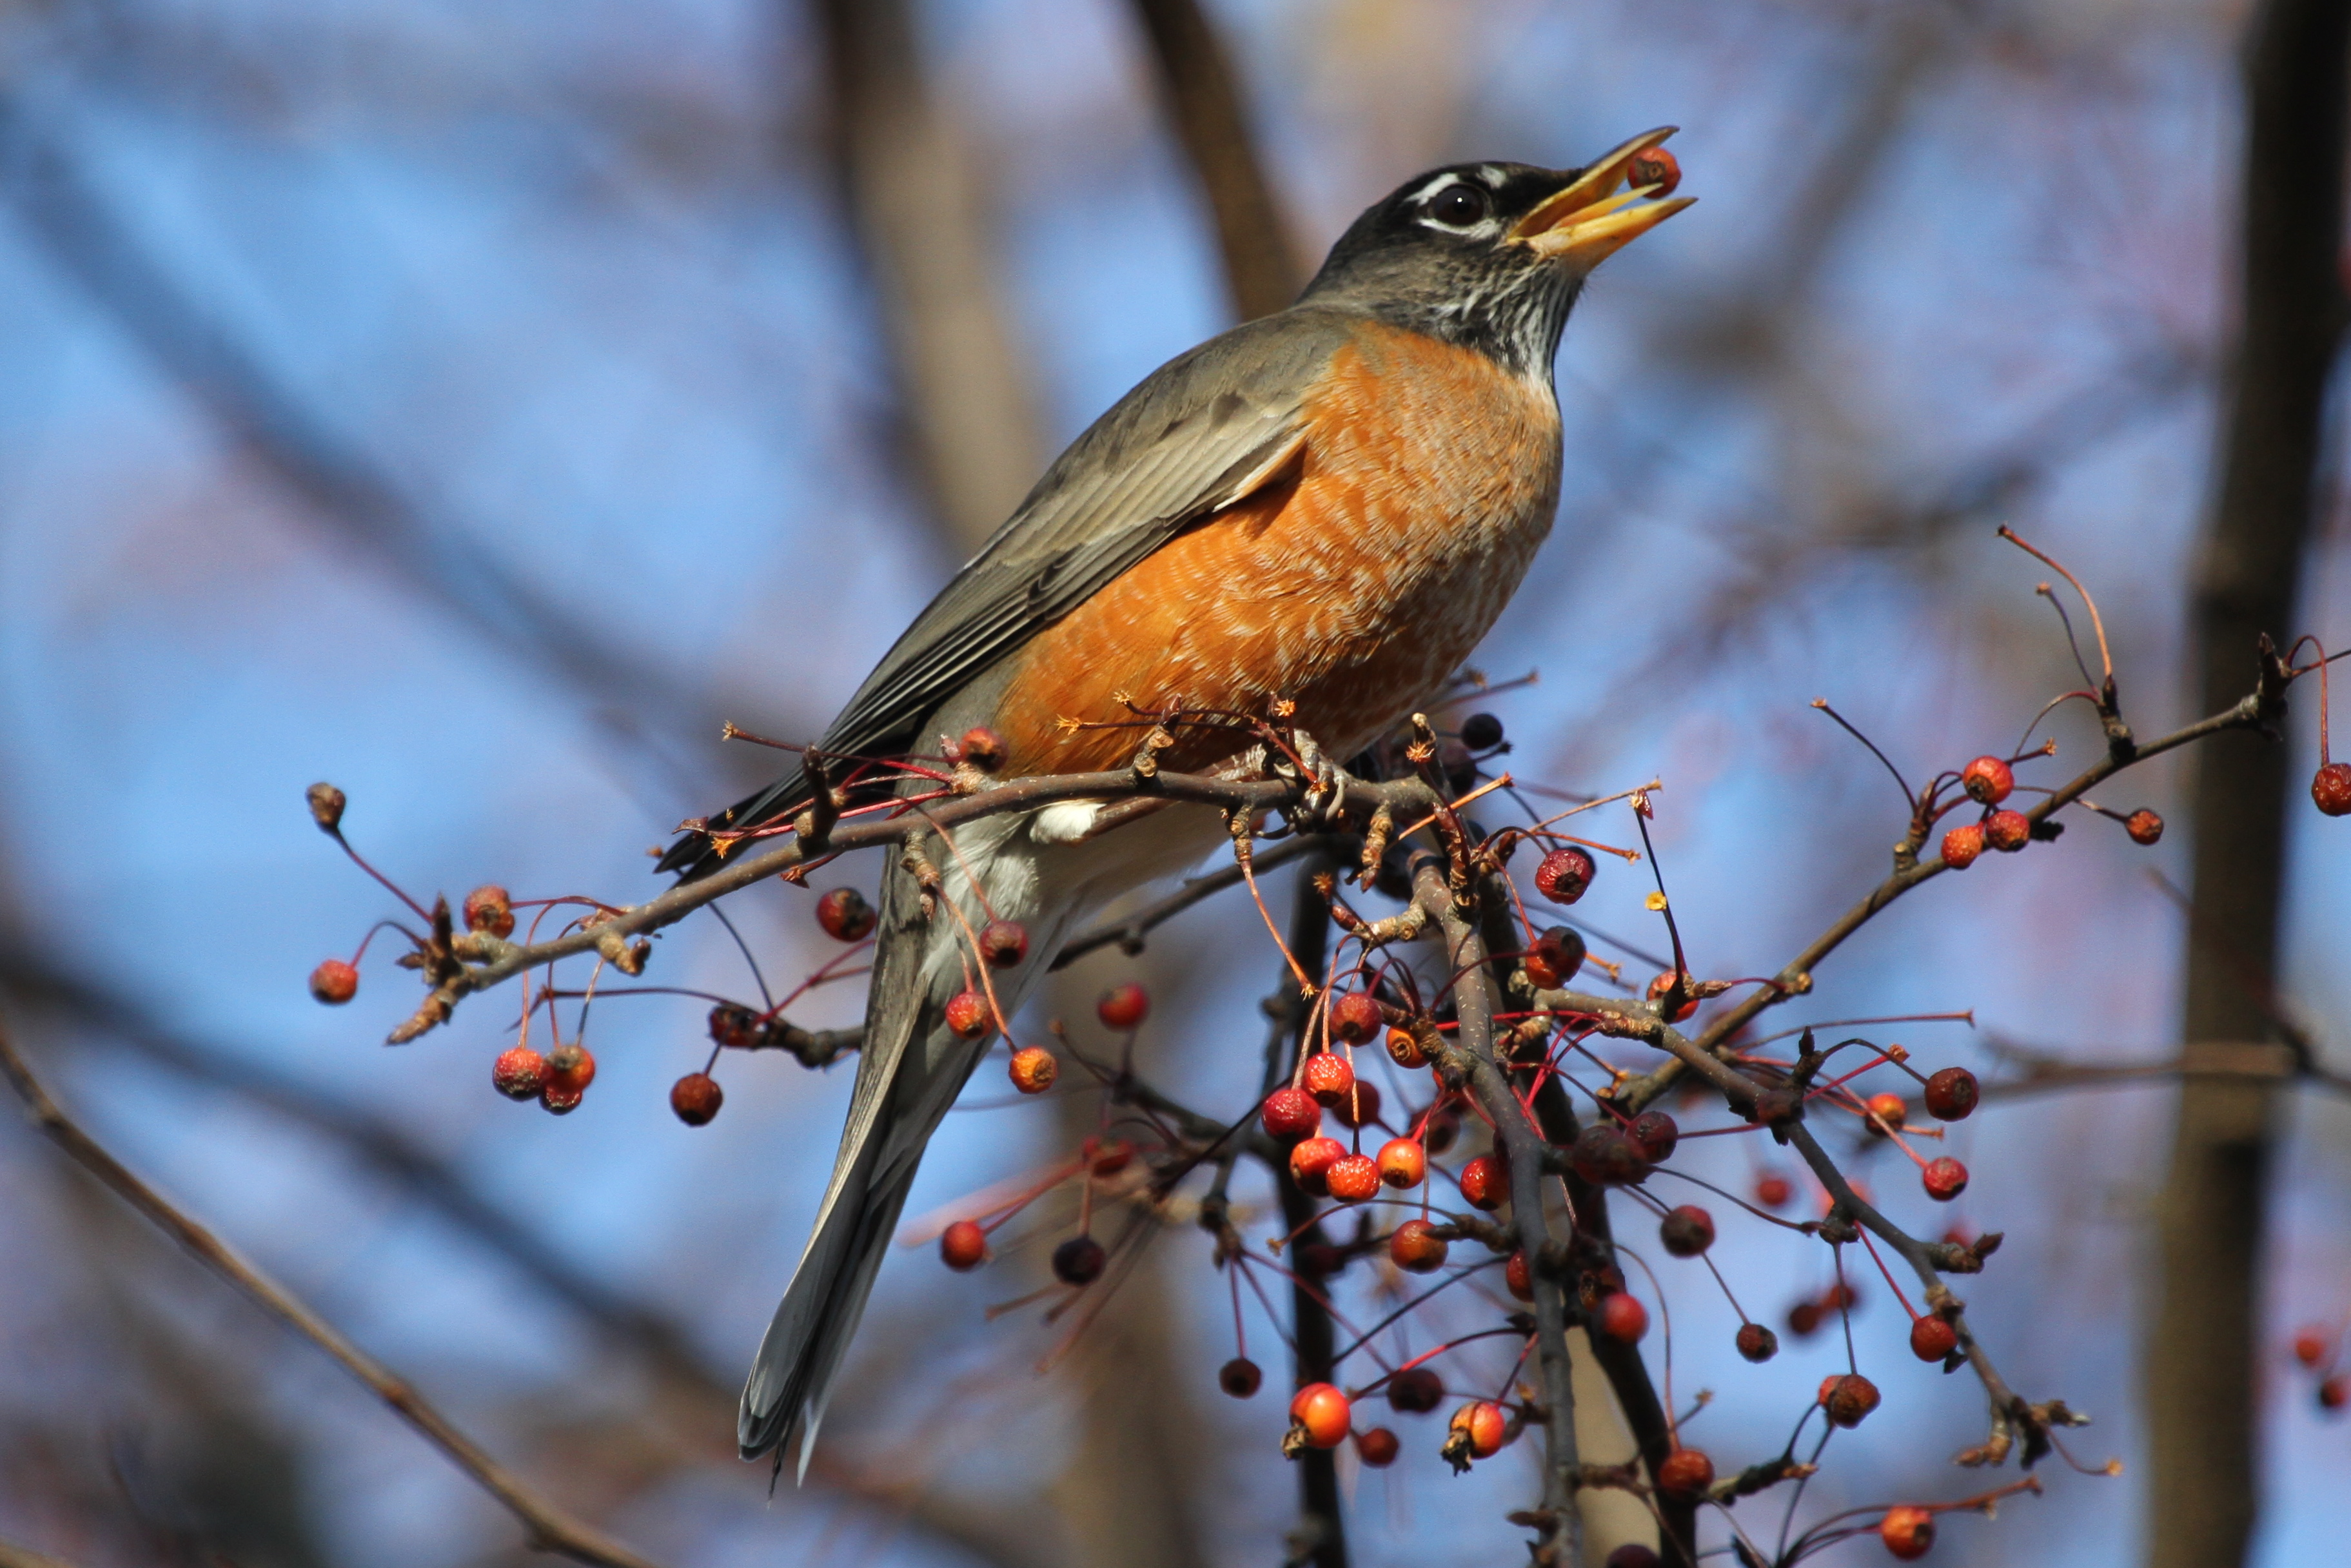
<point>1932,1338</point>
<point>1987,781</point>
<point>1662,983</point>
<point>1554,957</point>
<point>1033,1069</point>
<point>2144,826</point>
<point>1962,844</point>
<point>1107,1156</point>
<point>968,1015</point>
<point>1886,1114</point>
<point>983,748</point>
<point>1323,1412</point>
<point>520,1074</point>
<point>963,1246</point>
<point>1123,1008</point>
<point>695,1098</point>
<point>1485,1184</point>
<point>1354,1180</point>
<point>334,982</point>
<point>487,908</point>
<point>1486,1426</point>
<point>1404,1048</point>
<point>845,915</point>
<point>1329,1077</point>
<point>1356,1017</point>
<point>1377,1447</point>
<point>1685,1472</point>
<point>570,1068</point>
<point>1402,1164</point>
<point>2006,831</point>
<point>1310,1163</point>
<point>1909,1532</point>
<point>1622,1318</point>
<point>1417,1248</point>
<point>1290,1115</point>
<point>1654,170</point>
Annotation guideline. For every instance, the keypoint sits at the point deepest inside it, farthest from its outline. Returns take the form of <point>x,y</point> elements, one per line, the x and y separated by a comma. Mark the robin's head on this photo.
<point>1490,256</point>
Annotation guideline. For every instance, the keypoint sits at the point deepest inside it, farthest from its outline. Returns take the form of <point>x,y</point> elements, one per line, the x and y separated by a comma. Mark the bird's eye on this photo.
<point>1458,206</point>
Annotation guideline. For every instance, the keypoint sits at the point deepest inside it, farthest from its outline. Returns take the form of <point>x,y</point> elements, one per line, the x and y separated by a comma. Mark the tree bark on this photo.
<point>2212,1215</point>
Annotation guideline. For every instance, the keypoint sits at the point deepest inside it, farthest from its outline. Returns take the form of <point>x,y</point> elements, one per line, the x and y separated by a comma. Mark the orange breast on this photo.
<point>1354,588</point>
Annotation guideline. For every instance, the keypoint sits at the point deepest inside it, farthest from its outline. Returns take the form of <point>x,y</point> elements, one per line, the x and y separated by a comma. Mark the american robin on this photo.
<point>1329,505</point>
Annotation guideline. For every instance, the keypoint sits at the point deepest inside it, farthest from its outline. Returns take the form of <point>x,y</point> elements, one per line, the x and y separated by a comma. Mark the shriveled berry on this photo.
<point>1481,732</point>
<point>1123,1007</point>
<point>1755,1343</point>
<point>571,1069</point>
<point>520,1074</point>
<point>1655,1135</point>
<point>1519,1277</point>
<point>1655,170</point>
<point>983,748</point>
<point>1079,1260</point>
<point>968,1015</point>
<point>1987,781</point>
<point>2330,788</point>
<point>1416,1391</point>
<point>1485,1184</point>
<point>1952,1094</point>
<point>1404,1048</point>
<point>334,982</point>
<point>1033,1068</point>
<point>695,1098</point>
<point>1773,1190</point>
<point>1310,1163</point>
<point>2144,826</point>
<point>1003,943</point>
<point>1848,1399</point>
<point>1661,984</point>
<point>1633,1555</point>
<point>489,909</point>
<point>1944,1180</point>
<point>1359,1107</point>
<point>845,915</point>
<point>1555,957</point>
<point>1356,1017</point>
<point>734,1026</point>
<point>1290,1115</point>
<point>1685,1472</point>
<point>963,1246</point>
<point>2006,831</point>
<point>1622,1318</point>
<point>1908,1530</point>
<point>1328,1077</point>
<point>1886,1114</point>
<point>1565,874</point>
<point>1932,1338</point>
<point>1354,1180</point>
<point>1962,844</point>
<point>1402,1164</point>
<point>1239,1377</point>
<point>1686,1231</point>
<point>1323,1413</point>
<point>326,806</point>
<point>1377,1447</point>
<point>1483,1424</point>
<point>2310,1345</point>
<point>1605,1157</point>
<point>1417,1248</point>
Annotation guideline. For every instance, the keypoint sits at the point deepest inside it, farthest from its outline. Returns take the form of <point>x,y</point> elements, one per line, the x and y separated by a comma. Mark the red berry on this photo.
<point>1757,1342</point>
<point>1290,1115</point>
<point>1633,1555</point>
<point>1417,1248</point>
<point>695,1098</point>
<point>732,1026</point>
<point>1402,1164</point>
<point>1944,1180</point>
<point>487,908</point>
<point>1329,1077</point>
<point>1484,1184</point>
<point>1607,1157</point>
<point>2330,788</point>
<point>1003,943</point>
<point>1932,1338</point>
<point>1033,1069</point>
<point>963,1246</point>
<point>1623,1318</point>
<point>1686,1231</point>
<point>2006,831</point>
<point>561,1101</point>
<point>571,1069</point>
<point>845,915</point>
<point>1377,1447</point>
<point>1840,1295</point>
<point>1772,1189</point>
<point>1107,1156</point>
<point>1356,1017</point>
<point>983,748</point>
<point>1908,1533</point>
<point>1079,1260</point>
<point>1416,1391</point>
<point>1987,780</point>
<point>1310,1163</point>
<point>2144,826</point>
<point>1404,1048</point>
<point>1804,1319</point>
<point>1123,1007</point>
<point>1952,1094</point>
<point>1485,1424</point>
<point>1554,957</point>
<point>1565,874</point>
<point>1239,1377</point>
<point>1355,1180</point>
<point>1323,1413</point>
<point>1359,1107</point>
<point>1886,1114</point>
<point>1519,1277</point>
<point>1661,984</point>
<point>334,982</point>
<point>520,1074</point>
<point>2334,1393</point>
<point>1685,1472</point>
<point>1652,167</point>
<point>1655,1135</point>
<point>2310,1345</point>
<point>1848,1399</point>
<point>968,1015</point>
<point>1962,844</point>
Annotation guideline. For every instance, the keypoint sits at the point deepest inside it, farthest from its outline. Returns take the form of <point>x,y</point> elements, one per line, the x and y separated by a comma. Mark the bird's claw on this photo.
<point>1324,803</point>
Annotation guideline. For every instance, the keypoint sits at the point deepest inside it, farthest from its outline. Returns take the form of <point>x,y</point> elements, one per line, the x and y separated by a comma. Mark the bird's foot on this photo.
<point>1324,804</point>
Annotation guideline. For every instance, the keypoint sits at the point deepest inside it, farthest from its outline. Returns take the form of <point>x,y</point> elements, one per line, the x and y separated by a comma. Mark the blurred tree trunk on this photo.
<point>2211,1218</point>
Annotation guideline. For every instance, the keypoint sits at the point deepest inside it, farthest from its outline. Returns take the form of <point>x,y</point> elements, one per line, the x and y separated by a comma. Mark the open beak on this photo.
<point>1591,219</point>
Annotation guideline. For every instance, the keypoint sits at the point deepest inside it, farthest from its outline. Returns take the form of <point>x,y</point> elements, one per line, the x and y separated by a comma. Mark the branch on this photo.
<point>550,1528</point>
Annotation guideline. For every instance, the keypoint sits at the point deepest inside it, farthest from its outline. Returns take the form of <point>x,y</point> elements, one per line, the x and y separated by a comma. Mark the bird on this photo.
<point>1327,508</point>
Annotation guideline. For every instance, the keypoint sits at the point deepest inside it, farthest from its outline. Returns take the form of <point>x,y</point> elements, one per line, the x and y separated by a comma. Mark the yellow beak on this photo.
<point>1591,220</point>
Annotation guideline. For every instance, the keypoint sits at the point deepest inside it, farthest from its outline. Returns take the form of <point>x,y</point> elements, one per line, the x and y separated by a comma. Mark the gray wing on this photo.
<point>1198,435</point>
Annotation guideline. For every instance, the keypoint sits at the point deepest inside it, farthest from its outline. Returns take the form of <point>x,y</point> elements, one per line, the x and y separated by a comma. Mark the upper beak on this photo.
<point>1590,220</point>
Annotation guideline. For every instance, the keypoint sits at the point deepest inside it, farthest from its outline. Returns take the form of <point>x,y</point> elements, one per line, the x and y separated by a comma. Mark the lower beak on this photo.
<point>1591,220</point>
